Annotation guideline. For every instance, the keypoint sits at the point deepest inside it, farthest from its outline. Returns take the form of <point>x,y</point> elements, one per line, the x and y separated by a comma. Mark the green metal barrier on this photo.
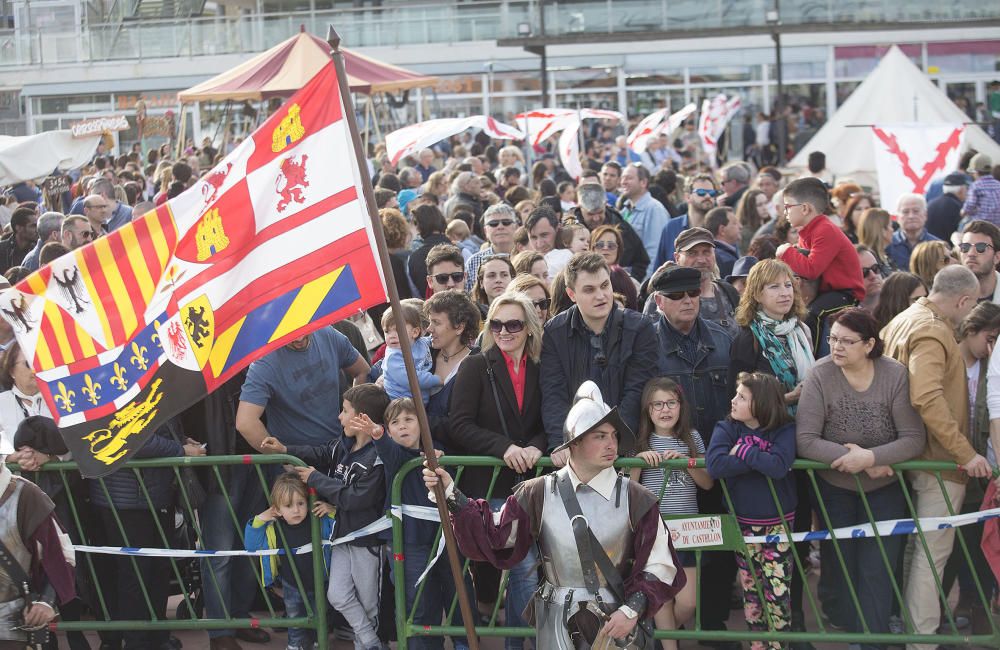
<point>93,568</point>
<point>820,631</point>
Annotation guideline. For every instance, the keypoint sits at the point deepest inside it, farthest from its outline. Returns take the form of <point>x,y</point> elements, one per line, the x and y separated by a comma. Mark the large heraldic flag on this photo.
<point>273,243</point>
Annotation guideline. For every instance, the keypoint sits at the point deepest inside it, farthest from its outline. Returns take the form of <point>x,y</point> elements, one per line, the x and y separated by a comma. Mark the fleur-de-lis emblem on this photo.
<point>139,358</point>
<point>119,381</point>
<point>64,398</point>
<point>155,338</point>
<point>91,390</point>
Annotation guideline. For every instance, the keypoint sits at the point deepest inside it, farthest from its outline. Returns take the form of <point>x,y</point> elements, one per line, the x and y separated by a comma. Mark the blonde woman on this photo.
<point>875,233</point>
<point>929,257</point>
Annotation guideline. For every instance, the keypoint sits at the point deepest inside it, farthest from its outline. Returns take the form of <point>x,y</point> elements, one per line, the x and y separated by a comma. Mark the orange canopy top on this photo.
<point>286,67</point>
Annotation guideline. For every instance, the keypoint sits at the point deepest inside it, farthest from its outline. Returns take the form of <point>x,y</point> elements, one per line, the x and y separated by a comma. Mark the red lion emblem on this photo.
<point>214,183</point>
<point>294,175</point>
<point>177,340</point>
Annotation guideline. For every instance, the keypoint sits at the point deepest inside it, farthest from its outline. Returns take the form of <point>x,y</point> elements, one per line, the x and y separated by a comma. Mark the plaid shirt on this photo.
<point>984,200</point>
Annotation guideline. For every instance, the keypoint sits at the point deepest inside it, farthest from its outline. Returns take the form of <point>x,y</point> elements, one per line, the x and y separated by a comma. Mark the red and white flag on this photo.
<point>273,243</point>
<point>656,124</point>
<point>715,115</point>
<point>909,156</point>
<point>544,123</point>
<point>411,139</point>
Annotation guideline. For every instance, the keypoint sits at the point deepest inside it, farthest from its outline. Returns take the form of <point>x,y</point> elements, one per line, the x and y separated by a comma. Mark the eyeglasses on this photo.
<point>542,304</point>
<point>87,234</point>
<point>679,295</point>
<point>493,223</point>
<point>512,326</point>
<point>606,246</point>
<point>980,247</point>
<point>704,192</point>
<point>442,278</point>
<point>868,270</point>
<point>788,206</point>
<point>835,340</point>
<point>659,405</point>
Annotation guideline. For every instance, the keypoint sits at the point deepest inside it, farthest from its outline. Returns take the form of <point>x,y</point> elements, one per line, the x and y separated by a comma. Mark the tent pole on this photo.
<point>404,343</point>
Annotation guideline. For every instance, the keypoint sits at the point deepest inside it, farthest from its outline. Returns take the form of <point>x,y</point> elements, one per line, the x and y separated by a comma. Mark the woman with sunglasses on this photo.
<point>496,410</point>
<point>607,240</point>
<point>536,290</point>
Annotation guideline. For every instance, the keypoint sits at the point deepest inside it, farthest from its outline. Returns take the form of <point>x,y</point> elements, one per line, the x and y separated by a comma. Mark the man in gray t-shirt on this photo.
<point>298,386</point>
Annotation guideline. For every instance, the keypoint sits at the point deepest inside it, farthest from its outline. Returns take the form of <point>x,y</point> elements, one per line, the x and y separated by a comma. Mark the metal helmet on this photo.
<point>589,412</point>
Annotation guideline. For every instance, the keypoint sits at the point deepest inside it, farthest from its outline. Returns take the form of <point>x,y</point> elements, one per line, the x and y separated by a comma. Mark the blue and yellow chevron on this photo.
<point>283,316</point>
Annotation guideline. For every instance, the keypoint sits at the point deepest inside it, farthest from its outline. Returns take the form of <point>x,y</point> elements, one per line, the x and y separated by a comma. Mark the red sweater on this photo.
<point>831,258</point>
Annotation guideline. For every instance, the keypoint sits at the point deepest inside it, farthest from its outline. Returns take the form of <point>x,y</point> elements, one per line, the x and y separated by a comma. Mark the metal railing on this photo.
<point>401,24</point>
<point>192,577</point>
<point>822,632</point>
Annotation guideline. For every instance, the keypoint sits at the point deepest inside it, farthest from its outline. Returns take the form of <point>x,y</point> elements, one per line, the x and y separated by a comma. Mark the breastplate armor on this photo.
<point>11,602</point>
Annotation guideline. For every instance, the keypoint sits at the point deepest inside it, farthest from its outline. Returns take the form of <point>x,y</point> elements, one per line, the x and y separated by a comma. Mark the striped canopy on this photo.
<point>287,66</point>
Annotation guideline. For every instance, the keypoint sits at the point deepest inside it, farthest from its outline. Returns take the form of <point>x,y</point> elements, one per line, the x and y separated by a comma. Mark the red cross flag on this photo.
<point>909,156</point>
<point>411,139</point>
<point>273,243</point>
<point>655,124</point>
<point>715,115</point>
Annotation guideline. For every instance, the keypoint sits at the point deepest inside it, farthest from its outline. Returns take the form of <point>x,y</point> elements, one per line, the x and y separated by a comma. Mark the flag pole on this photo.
<point>333,38</point>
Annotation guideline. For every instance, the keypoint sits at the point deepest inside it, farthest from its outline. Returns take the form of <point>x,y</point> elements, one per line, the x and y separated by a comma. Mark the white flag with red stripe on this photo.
<point>909,156</point>
<point>411,139</point>
<point>715,115</point>
<point>656,124</point>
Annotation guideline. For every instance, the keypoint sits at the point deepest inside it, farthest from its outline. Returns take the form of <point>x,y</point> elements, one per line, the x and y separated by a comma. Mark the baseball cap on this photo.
<point>981,163</point>
<point>956,179</point>
<point>692,237</point>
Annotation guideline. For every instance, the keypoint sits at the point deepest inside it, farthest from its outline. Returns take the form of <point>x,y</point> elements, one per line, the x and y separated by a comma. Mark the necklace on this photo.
<point>448,357</point>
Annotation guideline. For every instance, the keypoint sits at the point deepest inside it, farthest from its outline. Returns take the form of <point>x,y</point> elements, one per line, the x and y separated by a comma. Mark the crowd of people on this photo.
<point>740,315</point>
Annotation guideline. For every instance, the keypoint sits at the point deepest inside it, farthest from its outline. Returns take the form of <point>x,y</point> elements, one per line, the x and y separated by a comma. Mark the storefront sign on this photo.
<point>99,125</point>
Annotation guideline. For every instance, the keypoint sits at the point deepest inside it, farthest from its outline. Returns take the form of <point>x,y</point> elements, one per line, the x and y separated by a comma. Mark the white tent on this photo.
<point>29,157</point>
<point>895,92</point>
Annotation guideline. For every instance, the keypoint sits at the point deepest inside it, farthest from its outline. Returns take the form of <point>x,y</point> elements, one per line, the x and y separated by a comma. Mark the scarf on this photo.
<point>785,346</point>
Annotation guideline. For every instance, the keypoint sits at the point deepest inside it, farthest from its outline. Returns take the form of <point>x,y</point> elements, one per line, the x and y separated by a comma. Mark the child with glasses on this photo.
<point>665,433</point>
<point>395,380</point>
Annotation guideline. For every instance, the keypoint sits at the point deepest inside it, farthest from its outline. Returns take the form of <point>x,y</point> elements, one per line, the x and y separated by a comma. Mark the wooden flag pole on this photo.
<point>404,343</point>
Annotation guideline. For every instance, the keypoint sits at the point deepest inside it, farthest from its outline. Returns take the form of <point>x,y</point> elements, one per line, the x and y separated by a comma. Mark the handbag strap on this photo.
<point>589,547</point>
<point>496,400</point>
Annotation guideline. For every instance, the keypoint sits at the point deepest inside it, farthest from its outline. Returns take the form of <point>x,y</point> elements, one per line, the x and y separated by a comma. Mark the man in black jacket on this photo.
<point>597,340</point>
<point>594,211</point>
<point>945,212</point>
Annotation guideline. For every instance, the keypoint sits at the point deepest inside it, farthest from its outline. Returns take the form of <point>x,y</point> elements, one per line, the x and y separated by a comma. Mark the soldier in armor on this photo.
<point>34,572</point>
<point>607,558</point>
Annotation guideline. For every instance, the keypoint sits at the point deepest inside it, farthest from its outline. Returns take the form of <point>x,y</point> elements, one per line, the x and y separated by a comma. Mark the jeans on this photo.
<point>436,597</point>
<point>295,607</point>
<point>521,585</point>
<point>230,584</point>
<point>866,570</point>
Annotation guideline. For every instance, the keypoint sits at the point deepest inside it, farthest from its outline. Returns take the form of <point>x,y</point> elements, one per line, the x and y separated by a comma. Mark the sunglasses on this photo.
<point>512,326</point>
<point>606,246</point>
<point>868,270</point>
<point>542,304</point>
<point>493,223</point>
<point>679,295</point>
<point>442,278</point>
<point>980,247</point>
<point>704,192</point>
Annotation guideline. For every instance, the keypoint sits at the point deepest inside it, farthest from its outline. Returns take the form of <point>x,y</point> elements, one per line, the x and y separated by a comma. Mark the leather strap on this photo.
<point>590,548</point>
<point>496,399</point>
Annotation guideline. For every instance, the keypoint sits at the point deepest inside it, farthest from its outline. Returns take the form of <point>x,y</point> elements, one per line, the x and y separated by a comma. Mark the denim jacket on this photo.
<point>702,375</point>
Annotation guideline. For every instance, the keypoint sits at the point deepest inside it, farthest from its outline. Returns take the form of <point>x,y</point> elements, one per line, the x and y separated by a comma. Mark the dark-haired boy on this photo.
<point>349,475</point>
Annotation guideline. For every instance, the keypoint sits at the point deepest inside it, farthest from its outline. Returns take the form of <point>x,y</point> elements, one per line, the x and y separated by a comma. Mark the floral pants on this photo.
<point>769,567</point>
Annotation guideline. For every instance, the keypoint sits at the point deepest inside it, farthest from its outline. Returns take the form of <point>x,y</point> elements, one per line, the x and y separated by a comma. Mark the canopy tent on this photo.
<point>289,65</point>
<point>31,157</point>
<point>895,92</point>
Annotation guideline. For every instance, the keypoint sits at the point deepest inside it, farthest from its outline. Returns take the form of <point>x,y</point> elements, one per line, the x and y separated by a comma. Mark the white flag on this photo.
<point>411,139</point>
<point>656,124</point>
<point>909,156</point>
<point>715,115</point>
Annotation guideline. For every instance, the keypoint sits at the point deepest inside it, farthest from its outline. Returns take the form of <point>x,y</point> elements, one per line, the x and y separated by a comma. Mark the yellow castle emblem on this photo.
<point>211,238</point>
<point>289,130</point>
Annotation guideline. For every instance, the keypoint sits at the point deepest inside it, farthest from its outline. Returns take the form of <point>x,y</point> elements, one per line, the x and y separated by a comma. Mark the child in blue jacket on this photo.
<point>289,511</point>
<point>755,446</point>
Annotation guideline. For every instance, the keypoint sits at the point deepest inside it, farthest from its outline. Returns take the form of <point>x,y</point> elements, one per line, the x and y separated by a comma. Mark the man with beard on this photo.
<point>980,250</point>
<point>701,191</point>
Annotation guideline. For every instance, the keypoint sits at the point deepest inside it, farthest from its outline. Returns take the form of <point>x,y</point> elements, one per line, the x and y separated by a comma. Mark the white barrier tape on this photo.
<point>884,528</point>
